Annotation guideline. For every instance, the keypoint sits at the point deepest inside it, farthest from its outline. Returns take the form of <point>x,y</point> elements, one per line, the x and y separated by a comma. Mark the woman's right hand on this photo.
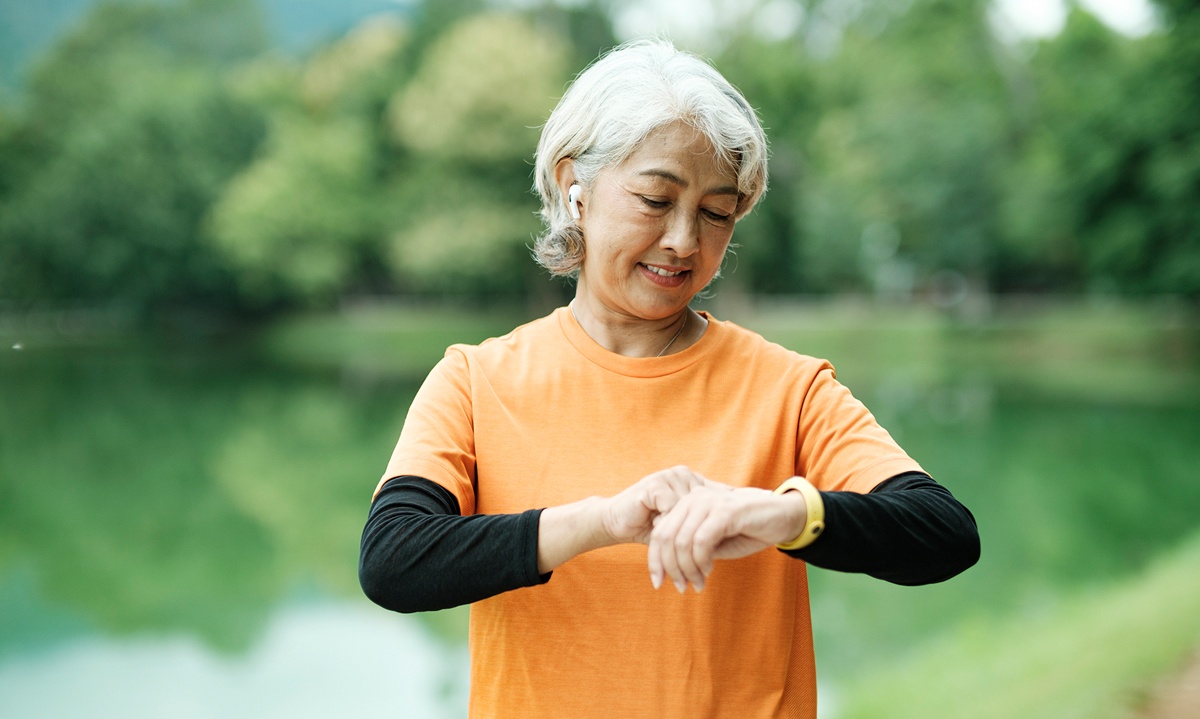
<point>572,529</point>
<point>629,516</point>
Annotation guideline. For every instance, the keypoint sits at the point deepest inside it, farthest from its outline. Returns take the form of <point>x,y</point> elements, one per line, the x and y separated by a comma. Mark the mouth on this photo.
<point>664,276</point>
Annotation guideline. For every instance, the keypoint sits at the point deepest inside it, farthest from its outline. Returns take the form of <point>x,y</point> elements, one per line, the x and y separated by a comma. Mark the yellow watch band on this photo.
<point>815,523</point>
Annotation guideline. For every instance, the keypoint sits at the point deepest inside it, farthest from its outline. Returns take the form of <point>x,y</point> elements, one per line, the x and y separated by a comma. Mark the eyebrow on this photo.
<point>676,179</point>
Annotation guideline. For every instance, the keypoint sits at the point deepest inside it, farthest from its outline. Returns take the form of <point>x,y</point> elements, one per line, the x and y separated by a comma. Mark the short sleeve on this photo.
<point>840,445</point>
<point>438,438</point>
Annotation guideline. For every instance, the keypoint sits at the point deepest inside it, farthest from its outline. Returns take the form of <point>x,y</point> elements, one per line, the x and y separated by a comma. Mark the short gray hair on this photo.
<point>613,106</point>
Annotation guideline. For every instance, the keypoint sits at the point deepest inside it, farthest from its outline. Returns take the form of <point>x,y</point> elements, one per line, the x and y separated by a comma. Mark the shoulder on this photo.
<point>518,346</point>
<point>754,352</point>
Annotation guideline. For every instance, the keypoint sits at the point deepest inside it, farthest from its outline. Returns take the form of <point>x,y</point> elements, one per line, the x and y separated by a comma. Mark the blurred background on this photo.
<point>234,236</point>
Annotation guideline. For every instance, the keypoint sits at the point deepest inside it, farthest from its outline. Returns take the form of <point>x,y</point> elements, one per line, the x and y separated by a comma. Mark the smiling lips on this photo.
<point>664,276</point>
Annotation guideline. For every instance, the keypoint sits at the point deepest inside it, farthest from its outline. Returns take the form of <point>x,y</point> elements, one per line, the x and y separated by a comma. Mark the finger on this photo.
<point>684,541</point>
<point>662,488</point>
<point>654,555</point>
<point>627,516</point>
<point>649,512</point>
<point>681,480</point>
<point>673,484</point>
<point>707,537</point>
<point>695,479</point>
<point>654,561</point>
<point>685,478</point>
<point>663,538</point>
<point>666,491</point>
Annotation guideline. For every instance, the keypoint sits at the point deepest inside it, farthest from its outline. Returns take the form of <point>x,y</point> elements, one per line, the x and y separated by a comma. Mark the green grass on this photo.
<point>1093,657</point>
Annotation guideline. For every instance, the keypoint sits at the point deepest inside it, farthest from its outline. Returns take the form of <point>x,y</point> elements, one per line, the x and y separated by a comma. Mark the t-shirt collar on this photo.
<point>638,366</point>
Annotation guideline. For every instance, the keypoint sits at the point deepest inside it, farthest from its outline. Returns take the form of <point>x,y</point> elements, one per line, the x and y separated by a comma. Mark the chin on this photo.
<point>657,310</point>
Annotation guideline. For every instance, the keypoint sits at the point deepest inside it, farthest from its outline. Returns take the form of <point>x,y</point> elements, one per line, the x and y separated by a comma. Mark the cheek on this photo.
<point>716,242</point>
<point>629,238</point>
<point>637,228</point>
<point>714,256</point>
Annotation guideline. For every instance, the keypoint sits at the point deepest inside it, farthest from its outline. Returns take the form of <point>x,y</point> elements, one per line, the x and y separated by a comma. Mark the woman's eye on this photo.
<point>717,216</point>
<point>656,204</point>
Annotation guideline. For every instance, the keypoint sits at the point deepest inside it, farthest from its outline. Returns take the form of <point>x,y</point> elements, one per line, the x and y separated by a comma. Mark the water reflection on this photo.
<point>183,494</point>
<point>316,661</point>
<point>179,530</point>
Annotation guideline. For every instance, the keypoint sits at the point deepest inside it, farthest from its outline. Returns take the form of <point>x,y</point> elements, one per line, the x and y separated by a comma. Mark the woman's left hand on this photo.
<point>718,522</point>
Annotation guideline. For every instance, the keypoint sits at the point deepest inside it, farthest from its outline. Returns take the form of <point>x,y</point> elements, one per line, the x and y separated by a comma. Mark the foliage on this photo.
<point>412,166</point>
<point>128,136</point>
<point>468,119</point>
<point>890,159</point>
<point>164,156</point>
<point>290,221</point>
<point>297,220</point>
<point>924,146</point>
<point>1105,190</point>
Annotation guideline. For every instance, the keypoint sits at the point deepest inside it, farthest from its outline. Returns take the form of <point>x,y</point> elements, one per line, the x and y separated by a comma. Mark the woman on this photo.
<point>543,474</point>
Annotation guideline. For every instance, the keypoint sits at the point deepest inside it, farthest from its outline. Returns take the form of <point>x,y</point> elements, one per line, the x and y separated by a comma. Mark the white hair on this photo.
<point>613,106</point>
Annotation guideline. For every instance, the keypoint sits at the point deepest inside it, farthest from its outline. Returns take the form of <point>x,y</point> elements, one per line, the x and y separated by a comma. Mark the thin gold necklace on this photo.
<point>685,319</point>
<point>571,306</point>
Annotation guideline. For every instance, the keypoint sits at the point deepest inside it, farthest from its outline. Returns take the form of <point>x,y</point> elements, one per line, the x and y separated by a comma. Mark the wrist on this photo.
<point>795,516</point>
<point>567,531</point>
<point>814,522</point>
<point>598,517</point>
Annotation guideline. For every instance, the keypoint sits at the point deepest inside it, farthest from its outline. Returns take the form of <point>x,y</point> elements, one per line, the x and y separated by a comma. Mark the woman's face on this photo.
<point>656,226</point>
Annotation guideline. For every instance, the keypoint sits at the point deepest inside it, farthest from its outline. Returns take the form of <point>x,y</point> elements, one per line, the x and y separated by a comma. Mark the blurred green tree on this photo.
<point>378,160</point>
<point>469,120</point>
<point>888,148</point>
<point>1105,189</point>
<point>780,81</point>
<point>164,156</point>
<point>129,134</point>
<point>300,220</point>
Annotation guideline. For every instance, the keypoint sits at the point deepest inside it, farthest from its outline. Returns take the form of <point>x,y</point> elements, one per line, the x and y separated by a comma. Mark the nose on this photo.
<point>682,234</point>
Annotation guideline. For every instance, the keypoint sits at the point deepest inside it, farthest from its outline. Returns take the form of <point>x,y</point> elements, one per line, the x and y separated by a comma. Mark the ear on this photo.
<point>564,176</point>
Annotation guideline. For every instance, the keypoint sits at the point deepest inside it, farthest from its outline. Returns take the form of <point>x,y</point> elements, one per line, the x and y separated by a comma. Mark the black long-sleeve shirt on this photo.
<point>419,554</point>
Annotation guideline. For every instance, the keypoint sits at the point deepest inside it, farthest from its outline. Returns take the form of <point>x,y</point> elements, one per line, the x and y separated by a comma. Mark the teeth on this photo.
<point>660,271</point>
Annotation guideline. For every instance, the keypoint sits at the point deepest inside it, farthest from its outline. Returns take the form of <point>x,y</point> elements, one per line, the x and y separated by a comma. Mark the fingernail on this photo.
<point>681,587</point>
<point>656,580</point>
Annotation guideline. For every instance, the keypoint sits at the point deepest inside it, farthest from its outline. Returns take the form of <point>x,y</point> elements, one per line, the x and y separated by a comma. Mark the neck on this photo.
<point>633,336</point>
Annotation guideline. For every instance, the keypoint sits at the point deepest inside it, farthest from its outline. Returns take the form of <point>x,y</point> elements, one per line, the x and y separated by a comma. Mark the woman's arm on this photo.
<point>419,554</point>
<point>908,530</point>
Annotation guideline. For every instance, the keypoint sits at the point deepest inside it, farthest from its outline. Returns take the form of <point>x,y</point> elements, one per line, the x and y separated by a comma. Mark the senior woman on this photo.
<point>556,476</point>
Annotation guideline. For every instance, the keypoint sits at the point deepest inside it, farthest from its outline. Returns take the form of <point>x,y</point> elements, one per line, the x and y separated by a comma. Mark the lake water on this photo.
<point>179,525</point>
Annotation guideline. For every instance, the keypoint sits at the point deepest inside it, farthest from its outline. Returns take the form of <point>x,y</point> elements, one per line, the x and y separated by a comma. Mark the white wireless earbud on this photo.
<point>573,200</point>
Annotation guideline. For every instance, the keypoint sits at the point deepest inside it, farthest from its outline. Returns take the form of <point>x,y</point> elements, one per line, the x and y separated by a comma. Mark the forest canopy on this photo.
<point>165,154</point>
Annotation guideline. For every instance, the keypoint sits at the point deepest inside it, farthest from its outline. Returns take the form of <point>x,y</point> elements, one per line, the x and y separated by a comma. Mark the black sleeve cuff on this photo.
<point>909,530</point>
<point>418,554</point>
<point>532,520</point>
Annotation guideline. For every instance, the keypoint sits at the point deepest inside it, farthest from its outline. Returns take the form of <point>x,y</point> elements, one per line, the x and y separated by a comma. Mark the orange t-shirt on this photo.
<point>545,416</point>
